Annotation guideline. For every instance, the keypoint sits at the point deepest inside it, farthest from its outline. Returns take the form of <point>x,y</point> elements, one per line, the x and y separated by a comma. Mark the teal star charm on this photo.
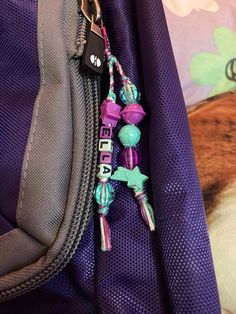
<point>121,174</point>
<point>136,179</point>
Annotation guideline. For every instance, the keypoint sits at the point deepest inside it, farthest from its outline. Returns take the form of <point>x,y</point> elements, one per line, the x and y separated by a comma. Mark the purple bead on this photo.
<point>133,114</point>
<point>110,113</point>
<point>129,158</point>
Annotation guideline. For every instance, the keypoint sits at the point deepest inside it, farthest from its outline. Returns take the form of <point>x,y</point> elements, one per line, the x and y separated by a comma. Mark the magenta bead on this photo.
<point>110,113</point>
<point>129,158</point>
<point>133,114</point>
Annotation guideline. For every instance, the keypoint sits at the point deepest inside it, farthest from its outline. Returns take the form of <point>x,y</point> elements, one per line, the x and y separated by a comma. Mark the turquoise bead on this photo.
<point>129,135</point>
<point>129,94</point>
<point>104,195</point>
<point>112,96</point>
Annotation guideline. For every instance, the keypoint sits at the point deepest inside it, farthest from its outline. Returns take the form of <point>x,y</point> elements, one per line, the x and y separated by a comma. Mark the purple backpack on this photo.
<point>50,256</point>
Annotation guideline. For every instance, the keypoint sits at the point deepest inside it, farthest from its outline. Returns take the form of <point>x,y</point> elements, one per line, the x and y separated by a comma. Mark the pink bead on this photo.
<point>110,113</point>
<point>105,158</point>
<point>106,132</point>
<point>129,158</point>
<point>133,114</point>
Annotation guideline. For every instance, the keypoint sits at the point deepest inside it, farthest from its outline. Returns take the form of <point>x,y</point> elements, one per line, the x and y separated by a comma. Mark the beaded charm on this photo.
<point>129,136</point>
<point>104,193</point>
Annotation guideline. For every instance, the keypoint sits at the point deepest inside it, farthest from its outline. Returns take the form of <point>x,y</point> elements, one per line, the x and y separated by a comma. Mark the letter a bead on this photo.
<point>104,171</point>
<point>105,146</point>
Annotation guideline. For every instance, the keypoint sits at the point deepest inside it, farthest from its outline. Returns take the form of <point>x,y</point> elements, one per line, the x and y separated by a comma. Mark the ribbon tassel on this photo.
<point>105,234</point>
<point>146,210</point>
<point>135,180</point>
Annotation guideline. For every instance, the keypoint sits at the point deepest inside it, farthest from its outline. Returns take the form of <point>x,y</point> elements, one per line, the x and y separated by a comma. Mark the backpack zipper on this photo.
<point>85,199</point>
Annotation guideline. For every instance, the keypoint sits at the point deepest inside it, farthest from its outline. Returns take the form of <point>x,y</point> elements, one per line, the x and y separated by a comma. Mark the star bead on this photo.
<point>136,179</point>
<point>121,174</point>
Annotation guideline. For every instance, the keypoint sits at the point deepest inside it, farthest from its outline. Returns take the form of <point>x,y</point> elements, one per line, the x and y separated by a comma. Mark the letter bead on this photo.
<point>104,171</point>
<point>105,158</point>
<point>106,132</point>
<point>105,145</point>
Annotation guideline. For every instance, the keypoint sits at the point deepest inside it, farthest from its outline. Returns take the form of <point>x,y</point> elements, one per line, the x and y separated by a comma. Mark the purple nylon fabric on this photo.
<point>170,271</point>
<point>184,243</point>
<point>19,84</point>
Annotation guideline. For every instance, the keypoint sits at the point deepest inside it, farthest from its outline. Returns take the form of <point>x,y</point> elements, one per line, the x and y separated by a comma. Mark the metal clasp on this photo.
<point>91,10</point>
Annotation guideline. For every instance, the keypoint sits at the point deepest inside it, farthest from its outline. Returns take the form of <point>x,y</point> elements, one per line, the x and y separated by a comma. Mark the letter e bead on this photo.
<point>106,132</point>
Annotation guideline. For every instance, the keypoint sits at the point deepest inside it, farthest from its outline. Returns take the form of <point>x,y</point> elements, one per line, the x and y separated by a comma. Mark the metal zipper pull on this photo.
<point>94,50</point>
<point>91,9</point>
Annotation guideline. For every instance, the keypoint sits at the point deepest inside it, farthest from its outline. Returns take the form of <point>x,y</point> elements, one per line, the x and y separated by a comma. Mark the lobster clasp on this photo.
<point>91,10</point>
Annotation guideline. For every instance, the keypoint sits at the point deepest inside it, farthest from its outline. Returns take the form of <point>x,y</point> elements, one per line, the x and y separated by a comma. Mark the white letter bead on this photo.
<point>105,145</point>
<point>104,171</point>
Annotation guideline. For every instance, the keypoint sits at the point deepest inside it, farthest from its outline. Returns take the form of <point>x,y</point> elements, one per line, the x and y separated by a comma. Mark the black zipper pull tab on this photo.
<point>94,50</point>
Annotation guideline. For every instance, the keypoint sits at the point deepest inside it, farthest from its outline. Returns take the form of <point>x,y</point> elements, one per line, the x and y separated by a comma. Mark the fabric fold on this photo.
<point>181,223</point>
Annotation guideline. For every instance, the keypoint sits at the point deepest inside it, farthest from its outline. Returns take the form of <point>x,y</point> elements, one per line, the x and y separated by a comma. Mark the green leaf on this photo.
<point>207,69</point>
<point>225,40</point>
<point>222,87</point>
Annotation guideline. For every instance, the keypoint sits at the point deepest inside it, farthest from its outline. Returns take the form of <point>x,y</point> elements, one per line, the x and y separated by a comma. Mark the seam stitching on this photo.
<point>34,126</point>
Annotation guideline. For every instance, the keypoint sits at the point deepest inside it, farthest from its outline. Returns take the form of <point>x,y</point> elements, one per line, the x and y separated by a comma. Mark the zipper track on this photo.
<point>84,200</point>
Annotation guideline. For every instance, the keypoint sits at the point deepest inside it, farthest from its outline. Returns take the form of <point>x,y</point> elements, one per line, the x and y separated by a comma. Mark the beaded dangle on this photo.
<point>129,136</point>
<point>104,192</point>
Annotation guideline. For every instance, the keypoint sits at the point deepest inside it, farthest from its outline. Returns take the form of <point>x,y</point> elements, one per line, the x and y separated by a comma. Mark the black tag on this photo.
<point>94,50</point>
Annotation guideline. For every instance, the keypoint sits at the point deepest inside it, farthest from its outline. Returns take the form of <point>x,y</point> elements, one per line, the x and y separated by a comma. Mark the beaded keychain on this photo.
<point>129,136</point>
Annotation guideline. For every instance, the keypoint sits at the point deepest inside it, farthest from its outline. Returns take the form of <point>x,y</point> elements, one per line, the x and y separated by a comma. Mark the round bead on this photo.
<point>129,135</point>
<point>129,94</point>
<point>133,114</point>
<point>129,158</point>
<point>104,195</point>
